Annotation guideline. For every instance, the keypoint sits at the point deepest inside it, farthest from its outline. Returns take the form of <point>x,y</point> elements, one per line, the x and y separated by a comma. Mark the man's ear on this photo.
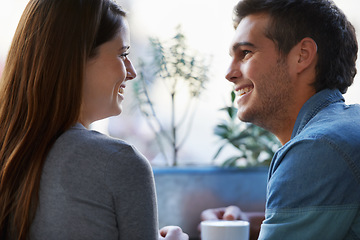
<point>307,54</point>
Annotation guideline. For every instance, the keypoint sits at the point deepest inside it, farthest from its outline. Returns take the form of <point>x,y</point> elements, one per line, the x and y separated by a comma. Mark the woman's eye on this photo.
<point>124,55</point>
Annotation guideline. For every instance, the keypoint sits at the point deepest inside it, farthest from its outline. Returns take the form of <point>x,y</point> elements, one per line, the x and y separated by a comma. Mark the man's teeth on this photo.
<point>244,91</point>
<point>121,91</point>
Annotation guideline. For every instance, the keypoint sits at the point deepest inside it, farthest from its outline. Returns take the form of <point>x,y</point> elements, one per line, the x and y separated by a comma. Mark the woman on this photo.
<point>67,67</point>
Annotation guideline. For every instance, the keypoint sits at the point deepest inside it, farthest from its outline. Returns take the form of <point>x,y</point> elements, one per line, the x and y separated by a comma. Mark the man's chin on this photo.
<point>242,116</point>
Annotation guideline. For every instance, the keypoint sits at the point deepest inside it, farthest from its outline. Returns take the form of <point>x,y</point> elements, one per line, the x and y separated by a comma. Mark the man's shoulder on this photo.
<point>327,147</point>
<point>327,114</point>
<point>337,125</point>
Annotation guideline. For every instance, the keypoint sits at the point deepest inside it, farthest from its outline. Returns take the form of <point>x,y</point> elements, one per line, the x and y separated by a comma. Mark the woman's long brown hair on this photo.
<point>40,95</point>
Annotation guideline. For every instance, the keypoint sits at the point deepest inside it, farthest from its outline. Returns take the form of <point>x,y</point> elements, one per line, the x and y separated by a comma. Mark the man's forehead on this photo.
<point>254,23</point>
<point>251,28</point>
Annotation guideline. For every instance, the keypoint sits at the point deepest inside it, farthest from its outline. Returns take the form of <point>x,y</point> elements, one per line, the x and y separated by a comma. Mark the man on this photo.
<point>291,62</point>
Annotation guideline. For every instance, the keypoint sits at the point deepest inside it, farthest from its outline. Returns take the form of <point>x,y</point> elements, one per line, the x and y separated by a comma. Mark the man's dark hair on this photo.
<point>293,20</point>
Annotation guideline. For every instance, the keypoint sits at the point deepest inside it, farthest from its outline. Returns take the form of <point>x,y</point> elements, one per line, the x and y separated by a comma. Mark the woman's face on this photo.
<point>105,78</point>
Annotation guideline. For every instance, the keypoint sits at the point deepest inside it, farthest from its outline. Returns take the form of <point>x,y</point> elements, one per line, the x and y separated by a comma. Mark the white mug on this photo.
<point>225,230</point>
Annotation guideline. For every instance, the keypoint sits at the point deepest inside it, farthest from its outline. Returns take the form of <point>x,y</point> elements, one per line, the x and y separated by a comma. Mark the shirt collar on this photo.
<point>314,105</point>
<point>78,126</point>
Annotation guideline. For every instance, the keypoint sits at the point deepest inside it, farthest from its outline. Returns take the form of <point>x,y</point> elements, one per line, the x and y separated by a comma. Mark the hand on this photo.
<point>234,213</point>
<point>172,233</point>
<point>225,213</point>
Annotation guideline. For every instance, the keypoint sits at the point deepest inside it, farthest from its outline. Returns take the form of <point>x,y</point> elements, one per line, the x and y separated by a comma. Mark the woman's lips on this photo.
<point>122,89</point>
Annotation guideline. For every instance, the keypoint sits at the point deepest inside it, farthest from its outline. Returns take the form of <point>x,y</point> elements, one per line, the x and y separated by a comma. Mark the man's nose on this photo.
<point>233,73</point>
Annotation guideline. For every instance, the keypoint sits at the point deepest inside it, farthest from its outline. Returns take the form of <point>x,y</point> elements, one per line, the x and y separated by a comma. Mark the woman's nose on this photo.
<point>130,71</point>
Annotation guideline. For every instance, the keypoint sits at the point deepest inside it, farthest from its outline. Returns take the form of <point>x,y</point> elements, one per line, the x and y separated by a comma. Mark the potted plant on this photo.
<point>183,193</point>
<point>184,74</point>
<point>255,146</point>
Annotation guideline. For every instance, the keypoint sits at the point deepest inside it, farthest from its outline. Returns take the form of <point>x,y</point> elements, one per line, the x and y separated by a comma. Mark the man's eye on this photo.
<point>246,54</point>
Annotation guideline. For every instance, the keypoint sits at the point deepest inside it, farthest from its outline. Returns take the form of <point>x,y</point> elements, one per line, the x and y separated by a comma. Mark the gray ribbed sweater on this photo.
<point>95,187</point>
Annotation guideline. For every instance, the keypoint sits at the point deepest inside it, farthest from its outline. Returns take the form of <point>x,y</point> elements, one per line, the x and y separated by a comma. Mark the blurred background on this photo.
<point>207,26</point>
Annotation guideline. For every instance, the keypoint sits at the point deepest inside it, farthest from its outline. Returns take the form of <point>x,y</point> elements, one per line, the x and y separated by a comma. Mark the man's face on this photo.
<point>262,78</point>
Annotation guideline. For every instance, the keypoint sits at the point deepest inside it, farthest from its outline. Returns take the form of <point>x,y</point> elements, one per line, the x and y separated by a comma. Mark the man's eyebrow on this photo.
<point>239,44</point>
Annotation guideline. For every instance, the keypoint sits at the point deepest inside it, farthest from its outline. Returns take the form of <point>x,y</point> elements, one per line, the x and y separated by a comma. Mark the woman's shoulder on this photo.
<point>80,137</point>
<point>83,152</point>
<point>92,145</point>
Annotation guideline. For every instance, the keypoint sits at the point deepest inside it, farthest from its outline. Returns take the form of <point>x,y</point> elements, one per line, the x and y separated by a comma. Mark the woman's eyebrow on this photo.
<point>124,48</point>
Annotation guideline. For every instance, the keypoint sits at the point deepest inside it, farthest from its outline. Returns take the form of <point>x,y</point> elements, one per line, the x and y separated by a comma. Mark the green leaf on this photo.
<point>231,162</point>
<point>233,96</point>
<point>250,140</point>
<point>219,151</point>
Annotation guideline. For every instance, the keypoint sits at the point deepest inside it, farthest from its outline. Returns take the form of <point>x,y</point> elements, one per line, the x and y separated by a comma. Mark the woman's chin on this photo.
<point>119,110</point>
<point>116,111</point>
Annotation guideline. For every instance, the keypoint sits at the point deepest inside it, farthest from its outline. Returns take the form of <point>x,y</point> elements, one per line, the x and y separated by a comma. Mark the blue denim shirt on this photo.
<point>314,179</point>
